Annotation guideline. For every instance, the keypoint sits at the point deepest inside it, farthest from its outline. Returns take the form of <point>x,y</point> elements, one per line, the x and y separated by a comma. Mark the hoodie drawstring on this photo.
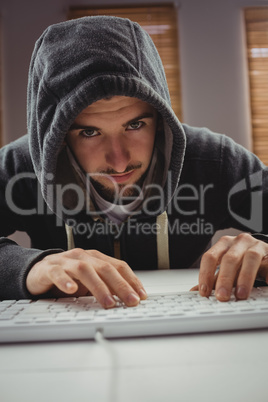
<point>70,237</point>
<point>162,241</point>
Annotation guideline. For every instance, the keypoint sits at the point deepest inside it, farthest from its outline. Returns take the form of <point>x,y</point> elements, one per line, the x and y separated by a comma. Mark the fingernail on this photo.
<point>142,294</point>
<point>222,293</point>
<point>241,292</point>
<point>132,299</point>
<point>109,301</point>
<point>203,288</point>
<point>69,285</point>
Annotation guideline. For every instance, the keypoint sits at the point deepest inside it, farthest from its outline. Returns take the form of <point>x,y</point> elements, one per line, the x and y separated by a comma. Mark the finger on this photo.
<point>231,265</point>
<point>95,271</point>
<point>209,264</point>
<point>124,270</point>
<point>263,270</point>
<point>250,267</point>
<point>61,279</point>
<point>46,274</point>
<point>196,287</point>
<point>85,272</point>
<point>117,283</point>
<point>99,276</point>
<point>263,274</point>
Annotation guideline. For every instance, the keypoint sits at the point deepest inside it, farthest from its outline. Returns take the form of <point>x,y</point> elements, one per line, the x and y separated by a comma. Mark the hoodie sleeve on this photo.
<point>16,177</point>
<point>16,261</point>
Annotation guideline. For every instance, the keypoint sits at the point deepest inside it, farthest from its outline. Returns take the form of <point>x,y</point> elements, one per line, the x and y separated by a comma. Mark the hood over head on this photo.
<point>78,62</point>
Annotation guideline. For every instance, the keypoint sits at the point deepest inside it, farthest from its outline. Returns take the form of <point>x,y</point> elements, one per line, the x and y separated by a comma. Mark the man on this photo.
<point>108,181</point>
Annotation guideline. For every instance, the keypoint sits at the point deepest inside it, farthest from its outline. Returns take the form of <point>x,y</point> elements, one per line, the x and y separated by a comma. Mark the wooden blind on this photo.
<point>161,24</point>
<point>257,49</point>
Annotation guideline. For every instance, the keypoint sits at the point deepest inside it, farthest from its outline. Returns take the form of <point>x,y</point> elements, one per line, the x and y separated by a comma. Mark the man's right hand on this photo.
<point>79,271</point>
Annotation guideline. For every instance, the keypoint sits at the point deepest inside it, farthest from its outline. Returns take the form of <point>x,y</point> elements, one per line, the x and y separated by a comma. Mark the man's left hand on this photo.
<point>241,259</point>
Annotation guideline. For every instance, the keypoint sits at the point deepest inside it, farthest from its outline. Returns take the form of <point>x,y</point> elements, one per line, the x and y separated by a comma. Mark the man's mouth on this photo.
<point>122,177</point>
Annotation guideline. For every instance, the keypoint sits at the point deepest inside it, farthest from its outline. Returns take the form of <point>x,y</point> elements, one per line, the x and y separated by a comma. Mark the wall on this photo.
<point>213,60</point>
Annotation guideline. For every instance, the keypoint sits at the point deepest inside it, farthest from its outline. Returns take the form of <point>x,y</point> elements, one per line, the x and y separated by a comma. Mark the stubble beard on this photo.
<point>116,194</point>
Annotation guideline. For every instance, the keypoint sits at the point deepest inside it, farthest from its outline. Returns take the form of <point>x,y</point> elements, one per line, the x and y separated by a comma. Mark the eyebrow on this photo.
<point>140,117</point>
<point>76,126</point>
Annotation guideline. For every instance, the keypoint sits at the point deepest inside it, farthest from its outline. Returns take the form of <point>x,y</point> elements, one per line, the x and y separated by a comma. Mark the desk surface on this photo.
<point>205,367</point>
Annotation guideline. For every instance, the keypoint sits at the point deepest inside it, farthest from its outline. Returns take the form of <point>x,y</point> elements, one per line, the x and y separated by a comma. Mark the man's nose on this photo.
<point>117,155</point>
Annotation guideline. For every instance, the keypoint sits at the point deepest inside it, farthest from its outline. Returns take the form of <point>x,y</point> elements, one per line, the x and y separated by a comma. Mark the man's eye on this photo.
<point>135,125</point>
<point>89,132</point>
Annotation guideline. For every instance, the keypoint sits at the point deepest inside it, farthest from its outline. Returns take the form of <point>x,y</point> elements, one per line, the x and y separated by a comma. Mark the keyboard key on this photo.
<point>175,313</point>
<point>246,308</point>
<point>23,320</point>
<point>8,302</point>
<point>207,311</point>
<point>6,318</point>
<point>155,314</point>
<point>66,300</point>
<point>84,318</point>
<point>63,319</point>
<point>24,301</point>
<point>43,320</point>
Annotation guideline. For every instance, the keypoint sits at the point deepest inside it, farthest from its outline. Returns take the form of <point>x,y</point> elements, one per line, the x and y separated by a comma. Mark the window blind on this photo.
<point>257,49</point>
<point>161,24</point>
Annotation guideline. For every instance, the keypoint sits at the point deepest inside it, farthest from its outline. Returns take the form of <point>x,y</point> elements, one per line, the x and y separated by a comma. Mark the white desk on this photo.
<point>208,367</point>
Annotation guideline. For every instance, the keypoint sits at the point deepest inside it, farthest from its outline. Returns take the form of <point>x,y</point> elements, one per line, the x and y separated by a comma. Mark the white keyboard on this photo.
<point>162,314</point>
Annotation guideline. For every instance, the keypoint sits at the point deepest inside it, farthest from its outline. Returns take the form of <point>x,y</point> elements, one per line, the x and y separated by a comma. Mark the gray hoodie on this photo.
<point>78,62</point>
<point>74,64</point>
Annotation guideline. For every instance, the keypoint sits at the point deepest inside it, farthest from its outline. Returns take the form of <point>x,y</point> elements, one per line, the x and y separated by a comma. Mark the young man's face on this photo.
<point>113,141</point>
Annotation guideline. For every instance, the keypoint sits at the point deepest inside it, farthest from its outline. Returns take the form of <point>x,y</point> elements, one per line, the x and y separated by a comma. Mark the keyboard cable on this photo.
<point>107,345</point>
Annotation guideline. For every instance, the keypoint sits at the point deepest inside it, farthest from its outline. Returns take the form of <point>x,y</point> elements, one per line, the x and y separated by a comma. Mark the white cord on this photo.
<point>101,340</point>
